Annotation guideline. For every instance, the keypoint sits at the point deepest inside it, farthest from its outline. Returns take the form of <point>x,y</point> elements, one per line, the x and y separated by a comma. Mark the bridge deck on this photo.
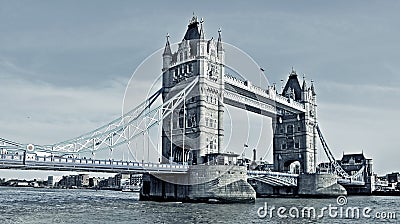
<point>87,165</point>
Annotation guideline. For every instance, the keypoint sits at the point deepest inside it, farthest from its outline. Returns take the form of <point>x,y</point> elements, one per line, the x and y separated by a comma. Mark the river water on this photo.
<point>29,205</point>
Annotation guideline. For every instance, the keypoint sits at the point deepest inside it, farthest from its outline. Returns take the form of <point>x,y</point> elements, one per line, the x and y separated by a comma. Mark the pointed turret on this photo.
<point>304,87</point>
<point>220,48</point>
<point>312,89</point>
<point>202,43</point>
<point>304,90</point>
<point>167,49</point>
<point>167,55</point>
<point>219,43</point>
<point>201,29</point>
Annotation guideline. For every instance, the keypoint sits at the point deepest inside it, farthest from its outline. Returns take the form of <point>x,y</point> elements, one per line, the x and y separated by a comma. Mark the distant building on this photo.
<point>94,181</point>
<point>121,180</point>
<point>52,181</point>
<point>393,177</point>
<point>136,179</point>
<point>81,180</point>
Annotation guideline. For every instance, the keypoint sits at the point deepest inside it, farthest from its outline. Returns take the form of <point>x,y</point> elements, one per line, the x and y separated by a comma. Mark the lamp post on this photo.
<point>243,153</point>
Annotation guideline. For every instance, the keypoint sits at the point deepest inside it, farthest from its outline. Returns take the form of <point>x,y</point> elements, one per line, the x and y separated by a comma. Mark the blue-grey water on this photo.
<point>29,205</point>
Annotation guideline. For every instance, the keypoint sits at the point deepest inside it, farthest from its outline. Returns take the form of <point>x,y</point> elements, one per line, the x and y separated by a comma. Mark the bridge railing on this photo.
<point>283,179</point>
<point>271,173</point>
<point>49,160</point>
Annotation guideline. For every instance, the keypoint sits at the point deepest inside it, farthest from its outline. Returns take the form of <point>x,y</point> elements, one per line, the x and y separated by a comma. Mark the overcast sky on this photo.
<point>64,65</point>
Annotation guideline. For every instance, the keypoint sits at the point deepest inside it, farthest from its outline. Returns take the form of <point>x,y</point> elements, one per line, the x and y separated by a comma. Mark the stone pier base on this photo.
<point>320,185</point>
<point>202,183</point>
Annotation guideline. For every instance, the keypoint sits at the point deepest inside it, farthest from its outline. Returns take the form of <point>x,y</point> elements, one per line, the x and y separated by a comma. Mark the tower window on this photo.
<point>283,146</point>
<point>180,118</point>
<point>181,56</point>
<point>297,144</point>
<point>290,129</point>
<point>189,122</point>
<point>193,121</point>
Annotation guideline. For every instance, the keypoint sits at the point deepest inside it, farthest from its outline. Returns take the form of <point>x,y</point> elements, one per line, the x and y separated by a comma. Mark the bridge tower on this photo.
<point>195,129</point>
<point>295,135</point>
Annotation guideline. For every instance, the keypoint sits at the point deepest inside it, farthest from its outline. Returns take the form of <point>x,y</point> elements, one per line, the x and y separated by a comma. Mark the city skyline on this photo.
<point>59,57</point>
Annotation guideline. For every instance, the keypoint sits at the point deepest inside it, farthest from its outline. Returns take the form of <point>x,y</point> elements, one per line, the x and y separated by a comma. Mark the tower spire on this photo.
<point>312,88</point>
<point>201,28</point>
<point>304,87</point>
<point>167,49</point>
<point>219,43</point>
<point>220,49</point>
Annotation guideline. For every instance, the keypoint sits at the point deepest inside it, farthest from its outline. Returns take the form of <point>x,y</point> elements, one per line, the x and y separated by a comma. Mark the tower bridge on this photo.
<point>195,92</point>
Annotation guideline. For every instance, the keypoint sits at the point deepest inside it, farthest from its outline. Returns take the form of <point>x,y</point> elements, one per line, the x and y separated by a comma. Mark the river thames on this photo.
<point>30,205</point>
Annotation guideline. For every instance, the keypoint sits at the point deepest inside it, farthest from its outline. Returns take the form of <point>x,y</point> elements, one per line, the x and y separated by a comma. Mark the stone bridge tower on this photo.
<point>295,135</point>
<point>195,129</point>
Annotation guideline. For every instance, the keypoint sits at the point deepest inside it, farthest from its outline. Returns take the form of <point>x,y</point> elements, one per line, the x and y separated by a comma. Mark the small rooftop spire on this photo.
<point>201,28</point>
<point>193,20</point>
<point>167,49</point>
<point>312,88</point>
<point>293,72</point>
<point>219,43</point>
<point>304,87</point>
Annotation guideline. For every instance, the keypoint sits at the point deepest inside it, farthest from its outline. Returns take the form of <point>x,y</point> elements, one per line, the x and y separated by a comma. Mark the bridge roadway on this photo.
<point>288,179</point>
<point>86,165</point>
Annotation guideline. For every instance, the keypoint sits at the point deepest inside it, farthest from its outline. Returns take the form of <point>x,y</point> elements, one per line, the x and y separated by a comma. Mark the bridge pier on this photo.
<point>320,185</point>
<point>202,183</point>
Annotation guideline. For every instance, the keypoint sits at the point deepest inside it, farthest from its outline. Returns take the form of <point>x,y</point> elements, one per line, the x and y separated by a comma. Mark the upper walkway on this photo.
<point>244,95</point>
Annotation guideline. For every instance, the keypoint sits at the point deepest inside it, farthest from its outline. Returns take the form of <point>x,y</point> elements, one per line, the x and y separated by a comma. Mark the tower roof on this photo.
<point>167,49</point>
<point>192,33</point>
<point>293,84</point>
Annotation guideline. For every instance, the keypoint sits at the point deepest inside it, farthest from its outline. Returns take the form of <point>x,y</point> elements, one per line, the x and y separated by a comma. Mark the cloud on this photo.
<point>42,113</point>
